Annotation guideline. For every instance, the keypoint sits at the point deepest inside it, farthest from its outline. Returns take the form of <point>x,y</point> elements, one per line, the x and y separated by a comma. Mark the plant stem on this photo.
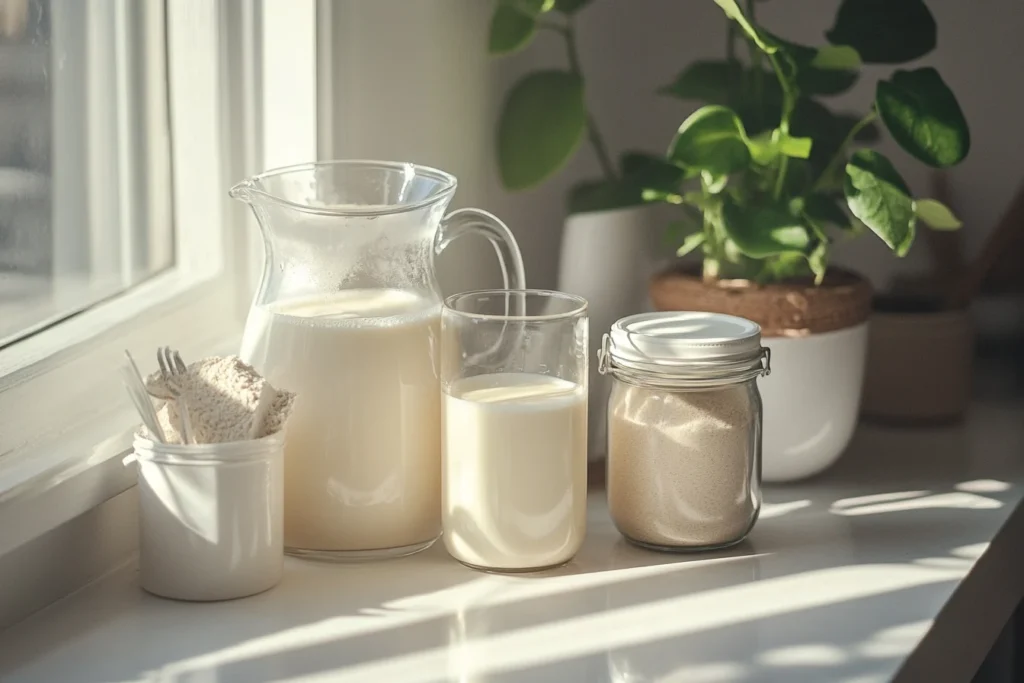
<point>712,245</point>
<point>755,66</point>
<point>841,152</point>
<point>596,141</point>
<point>789,97</point>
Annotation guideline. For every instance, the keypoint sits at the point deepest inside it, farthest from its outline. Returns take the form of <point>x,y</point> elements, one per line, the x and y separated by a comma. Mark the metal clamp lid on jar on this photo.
<point>684,348</point>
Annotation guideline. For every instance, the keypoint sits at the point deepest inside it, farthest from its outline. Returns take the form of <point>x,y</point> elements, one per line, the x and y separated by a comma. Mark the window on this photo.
<point>134,117</point>
<point>84,157</point>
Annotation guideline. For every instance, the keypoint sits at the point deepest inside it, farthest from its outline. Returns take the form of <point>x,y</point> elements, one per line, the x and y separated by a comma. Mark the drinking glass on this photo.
<point>514,428</point>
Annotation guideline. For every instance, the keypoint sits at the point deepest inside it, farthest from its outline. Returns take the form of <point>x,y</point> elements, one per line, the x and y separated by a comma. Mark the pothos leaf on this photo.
<point>710,82</point>
<point>712,139</point>
<point>878,196</point>
<point>761,231</point>
<point>514,23</point>
<point>937,215</point>
<point>542,123</point>
<point>825,209</point>
<point>885,31</point>
<point>924,117</point>
<point>828,70</point>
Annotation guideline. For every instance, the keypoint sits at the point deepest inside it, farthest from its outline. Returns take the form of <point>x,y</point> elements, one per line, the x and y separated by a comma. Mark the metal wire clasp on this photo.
<point>604,361</point>
<point>766,358</point>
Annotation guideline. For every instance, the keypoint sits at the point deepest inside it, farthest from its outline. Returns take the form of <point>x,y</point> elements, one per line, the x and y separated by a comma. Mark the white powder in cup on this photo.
<point>222,394</point>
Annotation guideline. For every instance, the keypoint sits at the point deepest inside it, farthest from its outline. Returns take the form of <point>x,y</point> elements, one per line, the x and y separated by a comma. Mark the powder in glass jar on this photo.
<point>682,464</point>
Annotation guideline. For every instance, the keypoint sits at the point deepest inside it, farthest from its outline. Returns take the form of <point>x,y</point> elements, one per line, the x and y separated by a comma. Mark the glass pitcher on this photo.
<point>347,316</point>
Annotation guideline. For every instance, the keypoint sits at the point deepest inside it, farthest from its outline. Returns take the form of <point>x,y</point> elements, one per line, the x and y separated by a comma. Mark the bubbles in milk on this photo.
<point>362,451</point>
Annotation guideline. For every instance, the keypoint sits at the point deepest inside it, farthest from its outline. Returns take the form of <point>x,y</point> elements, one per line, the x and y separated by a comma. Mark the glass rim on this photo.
<point>581,307</point>
<point>249,187</point>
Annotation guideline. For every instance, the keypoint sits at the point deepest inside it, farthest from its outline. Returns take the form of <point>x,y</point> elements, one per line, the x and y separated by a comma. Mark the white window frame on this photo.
<point>242,78</point>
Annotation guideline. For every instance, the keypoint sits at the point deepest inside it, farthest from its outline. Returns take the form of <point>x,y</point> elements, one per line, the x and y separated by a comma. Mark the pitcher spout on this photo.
<point>242,191</point>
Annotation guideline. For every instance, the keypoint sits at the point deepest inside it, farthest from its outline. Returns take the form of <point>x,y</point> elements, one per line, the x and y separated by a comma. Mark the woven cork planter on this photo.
<point>818,337</point>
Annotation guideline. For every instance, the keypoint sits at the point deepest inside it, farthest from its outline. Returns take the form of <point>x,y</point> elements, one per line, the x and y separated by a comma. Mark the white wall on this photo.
<point>413,81</point>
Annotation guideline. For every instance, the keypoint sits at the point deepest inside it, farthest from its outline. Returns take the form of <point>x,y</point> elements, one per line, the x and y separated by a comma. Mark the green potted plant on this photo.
<point>610,239</point>
<point>772,178</point>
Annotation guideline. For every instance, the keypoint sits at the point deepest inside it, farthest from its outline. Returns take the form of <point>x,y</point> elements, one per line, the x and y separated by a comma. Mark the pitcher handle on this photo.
<point>475,221</point>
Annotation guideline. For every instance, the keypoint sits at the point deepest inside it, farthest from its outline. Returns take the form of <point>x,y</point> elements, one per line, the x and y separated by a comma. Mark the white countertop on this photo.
<point>903,563</point>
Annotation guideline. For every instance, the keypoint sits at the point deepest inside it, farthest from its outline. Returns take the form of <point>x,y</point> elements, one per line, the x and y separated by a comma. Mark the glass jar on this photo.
<point>684,428</point>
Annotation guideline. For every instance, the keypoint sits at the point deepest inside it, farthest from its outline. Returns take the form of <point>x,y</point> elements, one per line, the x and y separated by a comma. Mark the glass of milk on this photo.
<point>514,428</point>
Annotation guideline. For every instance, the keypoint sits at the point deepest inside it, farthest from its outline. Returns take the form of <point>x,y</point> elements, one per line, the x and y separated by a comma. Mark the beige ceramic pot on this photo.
<point>919,366</point>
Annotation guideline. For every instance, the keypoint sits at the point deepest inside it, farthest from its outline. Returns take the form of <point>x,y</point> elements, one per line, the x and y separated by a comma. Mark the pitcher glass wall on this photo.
<point>347,317</point>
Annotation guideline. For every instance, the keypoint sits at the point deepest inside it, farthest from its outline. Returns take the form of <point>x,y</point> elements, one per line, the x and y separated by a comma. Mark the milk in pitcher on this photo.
<point>362,450</point>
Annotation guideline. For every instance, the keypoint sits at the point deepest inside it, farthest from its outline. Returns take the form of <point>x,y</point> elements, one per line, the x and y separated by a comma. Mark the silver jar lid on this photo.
<point>684,345</point>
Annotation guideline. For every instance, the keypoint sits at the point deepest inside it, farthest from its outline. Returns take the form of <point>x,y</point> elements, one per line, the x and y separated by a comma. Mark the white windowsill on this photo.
<point>49,483</point>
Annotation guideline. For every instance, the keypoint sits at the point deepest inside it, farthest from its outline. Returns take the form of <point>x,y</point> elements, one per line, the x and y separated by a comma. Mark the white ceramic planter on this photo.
<point>811,401</point>
<point>607,258</point>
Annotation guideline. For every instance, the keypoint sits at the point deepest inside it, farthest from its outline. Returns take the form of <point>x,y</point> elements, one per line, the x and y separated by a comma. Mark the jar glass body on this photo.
<point>684,462</point>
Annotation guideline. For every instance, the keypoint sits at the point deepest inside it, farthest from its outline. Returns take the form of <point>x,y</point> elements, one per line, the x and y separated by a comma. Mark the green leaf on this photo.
<point>733,11</point>
<point>763,149</point>
<point>510,31</point>
<point>514,23</point>
<point>877,195</point>
<point>936,214</point>
<point>690,243</point>
<point>647,171</point>
<point>825,82</point>
<point>798,148</point>
<point>837,58</point>
<point>602,195</point>
<point>711,82</point>
<point>570,6</point>
<point>786,265</point>
<point>885,31</point>
<point>766,147</point>
<point>813,120</point>
<point>711,139</point>
<point>542,123</point>
<point>825,209</point>
<point>645,177</point>
<point>924,117</point>
<point>819,71</point>
<point>761,231</point>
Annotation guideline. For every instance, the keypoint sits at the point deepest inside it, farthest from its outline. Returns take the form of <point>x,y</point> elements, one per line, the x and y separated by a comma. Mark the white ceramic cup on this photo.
<point>211,517</point>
